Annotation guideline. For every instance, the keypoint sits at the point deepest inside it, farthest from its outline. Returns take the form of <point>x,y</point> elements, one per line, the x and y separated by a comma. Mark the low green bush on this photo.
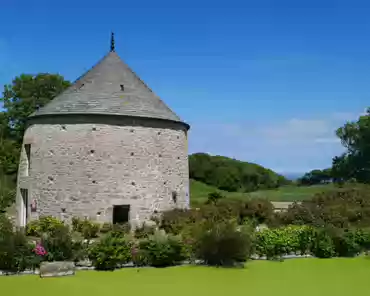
<point>276,242</point>
<point>110,252</point>
<point>223,244</point>
<point>161,250</point>
<point>87,228</point>
<point>144,231</point>
<point>106,227</point>
<point>121,229</point>
<point>43,225</point>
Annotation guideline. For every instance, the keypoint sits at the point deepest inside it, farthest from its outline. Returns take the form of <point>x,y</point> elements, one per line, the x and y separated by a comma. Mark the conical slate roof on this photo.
<point>109,88</point>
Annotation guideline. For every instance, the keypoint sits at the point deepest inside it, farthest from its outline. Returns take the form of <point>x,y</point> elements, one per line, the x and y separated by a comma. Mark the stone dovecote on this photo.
<point>107,149</point>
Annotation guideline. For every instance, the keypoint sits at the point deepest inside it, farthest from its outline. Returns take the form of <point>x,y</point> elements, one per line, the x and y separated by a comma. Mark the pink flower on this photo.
<point>40,250</point>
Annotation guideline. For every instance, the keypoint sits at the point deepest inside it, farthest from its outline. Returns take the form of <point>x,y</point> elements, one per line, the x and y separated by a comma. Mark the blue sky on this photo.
<point>261,81</point>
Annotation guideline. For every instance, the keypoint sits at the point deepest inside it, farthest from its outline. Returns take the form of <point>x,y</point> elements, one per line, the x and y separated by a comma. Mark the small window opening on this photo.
<point>160,155</point>
<point>121,214</point>
<point>27,147</point>
<point>51,178</point>
<point>81,86</point>
<point>132,153</point>
<point>131,130</point>
<point>92,151</point>
<point>63,210</point>
<point>24,209</point>
<point>94,182</point>
<point>159,133</point>
<point>133,183</point>
<point>122,87</point>
<point>174,196</point>
<point>63,127</point>
<point>94,128</point>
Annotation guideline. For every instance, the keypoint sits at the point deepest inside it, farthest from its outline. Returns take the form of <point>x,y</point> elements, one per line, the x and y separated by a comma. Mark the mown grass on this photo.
<point>303,277</point>
<point>199,192</point>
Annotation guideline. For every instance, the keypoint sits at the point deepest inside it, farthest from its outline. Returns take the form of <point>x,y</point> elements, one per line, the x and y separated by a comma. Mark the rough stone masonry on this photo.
<point>107,149</point>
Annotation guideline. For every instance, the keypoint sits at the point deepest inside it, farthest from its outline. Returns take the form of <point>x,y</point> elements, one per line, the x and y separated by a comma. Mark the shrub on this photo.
<point>258,209</point>
<point>273,243</point>
<point>144,231</point>
<point>106,227</point>
<point>110,252</point>
<point>90,229</point>
<point>87,228</point>
<point>161,250</point>
<point>76,224</point>
<point>214,197</point>
<point>58,243</point>
<point>174,221</point>
<point>223,244</point>
<point>121,229</point>
<point>43,225</point>
<point>15,252</point>
<point>345,207</point>
<point>323,245</point>
<point>362,237</point>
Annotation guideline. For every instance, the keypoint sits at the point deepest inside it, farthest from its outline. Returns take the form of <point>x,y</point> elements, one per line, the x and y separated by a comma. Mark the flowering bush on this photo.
<point>15,252</point>
<point>39,250</point>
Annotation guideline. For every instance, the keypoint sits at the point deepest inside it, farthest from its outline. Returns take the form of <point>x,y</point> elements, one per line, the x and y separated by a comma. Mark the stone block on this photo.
<point>57,269</point>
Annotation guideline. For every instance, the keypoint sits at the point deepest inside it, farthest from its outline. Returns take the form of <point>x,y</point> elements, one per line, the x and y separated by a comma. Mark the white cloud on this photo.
<point>293,145</point>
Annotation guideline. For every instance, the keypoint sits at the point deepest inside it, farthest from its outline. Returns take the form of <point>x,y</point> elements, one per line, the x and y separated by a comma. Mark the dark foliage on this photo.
<point>214,197</point>
<point>316,177</point>
<point>15,252</point>
<point>257,210</point>
<point>223,244</point>
<point>162,250</point>
<point>341,207</point>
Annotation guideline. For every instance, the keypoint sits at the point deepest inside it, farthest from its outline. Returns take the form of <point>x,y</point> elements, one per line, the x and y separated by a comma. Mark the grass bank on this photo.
<point>199,192</point>
<point>304,277</point>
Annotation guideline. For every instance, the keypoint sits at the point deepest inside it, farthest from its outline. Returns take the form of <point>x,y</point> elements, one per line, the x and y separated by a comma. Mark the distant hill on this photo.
<point>233,175</point>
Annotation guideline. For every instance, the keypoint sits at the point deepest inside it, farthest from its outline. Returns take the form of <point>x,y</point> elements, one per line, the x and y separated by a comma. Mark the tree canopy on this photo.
<point>232,175</point>
<point>316,177</point>
<point>354,164</point>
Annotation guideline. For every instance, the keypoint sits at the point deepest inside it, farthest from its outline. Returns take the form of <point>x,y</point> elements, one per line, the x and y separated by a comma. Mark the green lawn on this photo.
<point>199,192</point>
<point>303,277</point>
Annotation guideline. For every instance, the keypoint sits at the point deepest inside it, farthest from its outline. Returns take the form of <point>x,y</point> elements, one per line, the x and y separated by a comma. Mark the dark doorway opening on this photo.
<point>121,214</point>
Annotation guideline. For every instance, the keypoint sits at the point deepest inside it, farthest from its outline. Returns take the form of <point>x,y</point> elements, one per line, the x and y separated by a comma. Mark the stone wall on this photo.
<point>83,165</point>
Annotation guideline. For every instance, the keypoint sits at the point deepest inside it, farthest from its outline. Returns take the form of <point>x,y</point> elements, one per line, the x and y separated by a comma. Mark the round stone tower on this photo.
<point>107,149</point>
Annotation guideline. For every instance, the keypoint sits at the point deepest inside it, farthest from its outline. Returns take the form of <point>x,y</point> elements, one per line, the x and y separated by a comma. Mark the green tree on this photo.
<point>25,95</point>
<point>231,174</point>
<point>316,177</point>
<point>354,164</point>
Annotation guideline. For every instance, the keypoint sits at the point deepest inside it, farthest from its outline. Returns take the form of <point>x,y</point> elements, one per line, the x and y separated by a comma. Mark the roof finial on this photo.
<point>112,42</point>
